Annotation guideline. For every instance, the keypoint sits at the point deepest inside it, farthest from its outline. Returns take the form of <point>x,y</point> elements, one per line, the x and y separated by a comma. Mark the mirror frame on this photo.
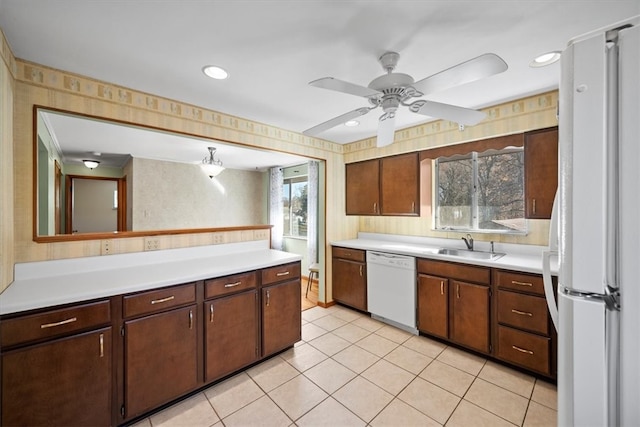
<point>123,234</point>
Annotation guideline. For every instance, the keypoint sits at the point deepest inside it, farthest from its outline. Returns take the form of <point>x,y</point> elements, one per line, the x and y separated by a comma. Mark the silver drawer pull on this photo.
<point>158,301</point>
<point>211,313</point>
<point>232,285</point>
<point>101,345</point>
<point>515,282</point>
<point>62,322</point>
<point>284,273</point>
<point>190,319</point>
<point>521,350</point>
<point>521,313</point>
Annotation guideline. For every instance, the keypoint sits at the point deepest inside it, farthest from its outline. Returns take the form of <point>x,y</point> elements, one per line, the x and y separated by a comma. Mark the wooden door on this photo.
<point>62,382</point>
<point>541,172</point>
<point>470,315</point>
<point>350,283</point>
<point>160,359</point>
<point>363,188</point>
<point>433,305</point>
<point>281,316</point>
<point>231,334</point>
<point>400,185</point>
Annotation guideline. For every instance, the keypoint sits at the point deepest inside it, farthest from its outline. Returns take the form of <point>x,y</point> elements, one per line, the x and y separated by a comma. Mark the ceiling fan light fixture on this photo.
<point>91,164</point>
<point>215,72</point>
<point>351,123</point>
<point>210,165</point>
<point>545,59</point>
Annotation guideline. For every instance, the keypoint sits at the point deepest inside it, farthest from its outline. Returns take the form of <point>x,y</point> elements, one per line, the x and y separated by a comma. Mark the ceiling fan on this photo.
<point>393,90</point>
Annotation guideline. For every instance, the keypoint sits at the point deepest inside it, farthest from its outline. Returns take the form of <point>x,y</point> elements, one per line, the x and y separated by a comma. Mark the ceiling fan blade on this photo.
<point>465,116</point>
<point>336,121</point>
<point>345,87</point>
<point>474,69</point>
<point>386,130</point>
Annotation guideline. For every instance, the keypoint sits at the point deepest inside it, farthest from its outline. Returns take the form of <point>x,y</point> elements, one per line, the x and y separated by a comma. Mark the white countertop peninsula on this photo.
<point>524,258</point>
<point>49,283</point>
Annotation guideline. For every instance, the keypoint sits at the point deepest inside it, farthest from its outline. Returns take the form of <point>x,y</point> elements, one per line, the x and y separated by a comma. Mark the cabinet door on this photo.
<point>400,185</point>
<point>363,188</point>
<point>541,172</point>
<point>231,334</point>
<point>160,359</point>
<point>350,283</point>
<point>62,382</point>
<point>470,315</point>
<point>433,305</point>
<point>281,316</point>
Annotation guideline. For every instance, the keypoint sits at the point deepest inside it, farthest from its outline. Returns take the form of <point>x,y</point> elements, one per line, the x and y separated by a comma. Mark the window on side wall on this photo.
<point>294,200</point>
<point>481,192</point>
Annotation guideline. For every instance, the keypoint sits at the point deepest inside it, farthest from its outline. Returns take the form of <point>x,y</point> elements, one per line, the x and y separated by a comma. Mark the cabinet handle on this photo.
<point>534,206</point>
<point>515,282</point>
<point>442,287</point>
<point>232,285</point>
<point>190,319</point>
<point>413,206</point>
<point>284,273</point>
<point>268,297</point>
<point>63,322</point>
<point>521,350</point>
<point>161,300</point>
<point>375,207</point>
<point>521,313</point>
<point>101,345</point>
<point>360,270</point>
<point>457,291</point>
<point>211,313</point>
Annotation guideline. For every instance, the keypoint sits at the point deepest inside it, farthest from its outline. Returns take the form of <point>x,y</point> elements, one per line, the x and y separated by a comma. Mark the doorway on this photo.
<point>95,204</point>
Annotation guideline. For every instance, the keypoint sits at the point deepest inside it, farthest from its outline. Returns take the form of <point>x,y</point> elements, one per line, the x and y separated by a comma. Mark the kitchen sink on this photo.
<point>463,253</point>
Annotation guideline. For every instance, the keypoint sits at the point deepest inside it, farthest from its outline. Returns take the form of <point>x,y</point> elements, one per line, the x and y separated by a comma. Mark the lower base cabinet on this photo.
<point>281,316</point>
<point>470,324</point>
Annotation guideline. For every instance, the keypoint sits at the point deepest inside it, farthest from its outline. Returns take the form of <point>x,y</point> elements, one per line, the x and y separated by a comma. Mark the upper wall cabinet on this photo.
<point>387,186</point>
<point>541,172</point>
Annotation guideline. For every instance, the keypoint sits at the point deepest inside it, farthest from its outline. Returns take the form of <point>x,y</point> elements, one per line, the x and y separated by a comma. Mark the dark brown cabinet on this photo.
<point>470,315</point>
<point>349,277</point>
<point>541,172</point>
<point>281,308</point>
<point>363,188</point>
<point>433,305</point>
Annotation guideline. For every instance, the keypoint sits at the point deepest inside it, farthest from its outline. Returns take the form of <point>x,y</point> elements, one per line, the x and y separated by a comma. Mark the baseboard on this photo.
<point>312,280</point>
<point>326,304</point>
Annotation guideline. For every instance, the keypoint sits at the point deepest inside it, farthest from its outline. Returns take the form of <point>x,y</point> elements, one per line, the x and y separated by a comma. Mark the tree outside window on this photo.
<point>294,203</point>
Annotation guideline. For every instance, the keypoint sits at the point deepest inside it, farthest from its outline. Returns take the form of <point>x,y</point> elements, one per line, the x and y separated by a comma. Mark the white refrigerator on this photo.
<point>598,229</point>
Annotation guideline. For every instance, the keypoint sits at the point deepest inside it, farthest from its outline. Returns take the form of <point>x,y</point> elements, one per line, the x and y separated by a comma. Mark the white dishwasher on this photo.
<point>391,289</point>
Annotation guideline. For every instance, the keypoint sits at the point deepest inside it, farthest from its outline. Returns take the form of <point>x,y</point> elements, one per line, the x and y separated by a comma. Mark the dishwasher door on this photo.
<point>391,289</point>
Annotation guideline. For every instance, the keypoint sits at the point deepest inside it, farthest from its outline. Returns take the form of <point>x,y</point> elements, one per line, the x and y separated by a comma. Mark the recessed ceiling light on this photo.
<point>352,123</point>
<point>545,59</point>
<point>215,72</point>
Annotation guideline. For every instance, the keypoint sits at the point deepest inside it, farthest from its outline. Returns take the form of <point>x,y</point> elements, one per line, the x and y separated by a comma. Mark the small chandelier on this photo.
<point>91,164</point>
<point>211,166</point>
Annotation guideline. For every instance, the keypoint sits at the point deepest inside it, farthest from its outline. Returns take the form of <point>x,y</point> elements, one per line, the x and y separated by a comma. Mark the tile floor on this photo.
<point>351,370</point>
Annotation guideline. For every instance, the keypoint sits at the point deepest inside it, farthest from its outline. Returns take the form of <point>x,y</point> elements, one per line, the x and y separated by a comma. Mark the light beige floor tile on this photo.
<point>468,414</point>
<point>545,394</point>
<point>330,375</point>
<point>540,415</point>
<point>330,413</point>
<point>355,358</point>
<point>398,413</point>
<point>194,411</point>
<point>311,332</point>
<point>498,401</point>
<point>388,376</point>
<point>314,313</point>
<point>449,378</point>
<point>408,359</point>
<point>272,373</point>
<point>430,399</point>
<point>329,322</point>
<point>394,334</point>
<point>424,345</point>
<point>508,378</point>
<point>262,412</point>
<point>351,333</point>
<point>330,344</point>
<point>462,360</point>
<point>363,398</point>
<point>345,314</point>
<point>368,323</point>
<point>298,396</point>
<point>142,423</point>
<point>303,357</point>
<point>232,394</point>
<point>377,345</point>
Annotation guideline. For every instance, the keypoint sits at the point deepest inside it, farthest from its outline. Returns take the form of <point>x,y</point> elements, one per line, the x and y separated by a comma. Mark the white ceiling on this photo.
<point>272,49</point>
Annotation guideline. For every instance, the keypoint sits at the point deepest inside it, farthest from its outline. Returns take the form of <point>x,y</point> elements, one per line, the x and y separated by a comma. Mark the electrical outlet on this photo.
<point>218,238</point>
<point>151,243</point>
<point>106,246</point>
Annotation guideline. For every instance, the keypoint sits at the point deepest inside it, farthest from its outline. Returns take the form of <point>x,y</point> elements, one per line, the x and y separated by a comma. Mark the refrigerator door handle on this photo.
<point>548,286</point>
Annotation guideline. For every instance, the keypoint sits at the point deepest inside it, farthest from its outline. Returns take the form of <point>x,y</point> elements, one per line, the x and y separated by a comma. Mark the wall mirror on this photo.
<point>142,179</point>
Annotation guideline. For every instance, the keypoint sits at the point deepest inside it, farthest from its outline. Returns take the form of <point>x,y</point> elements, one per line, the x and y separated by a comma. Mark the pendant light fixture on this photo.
<point>211,166</point>
<point>91,164</point>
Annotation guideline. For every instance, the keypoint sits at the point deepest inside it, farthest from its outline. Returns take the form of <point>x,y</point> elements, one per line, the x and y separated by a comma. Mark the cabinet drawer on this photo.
<point>54,323</point>
<point>230,284</point>
<point>158,300</point>
<point>520,281</point>
<point>351,254</point>
<point>523,311</point>
<point>524,349</point>
<point>281,273</point>
<point>454,270</point>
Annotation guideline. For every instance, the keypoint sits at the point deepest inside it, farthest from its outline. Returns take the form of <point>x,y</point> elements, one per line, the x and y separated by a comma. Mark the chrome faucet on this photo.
<point>468,241</point>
